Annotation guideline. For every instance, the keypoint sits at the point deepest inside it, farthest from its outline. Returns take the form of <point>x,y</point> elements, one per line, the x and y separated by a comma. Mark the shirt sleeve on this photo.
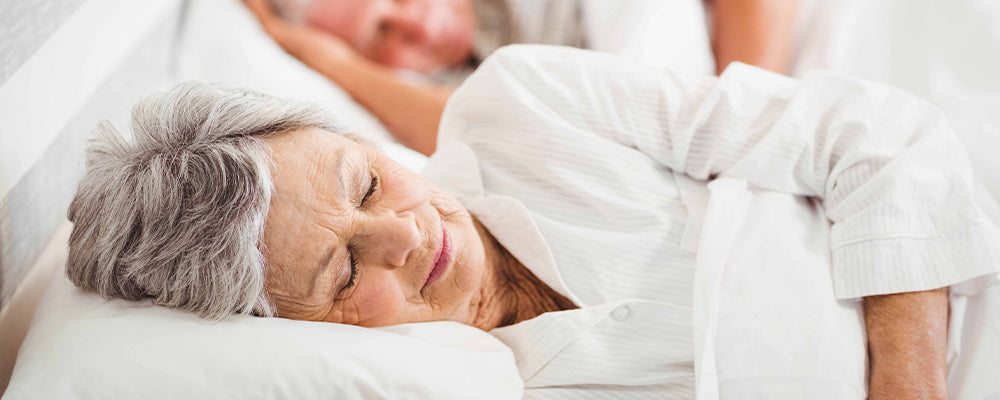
<point>895,182</point>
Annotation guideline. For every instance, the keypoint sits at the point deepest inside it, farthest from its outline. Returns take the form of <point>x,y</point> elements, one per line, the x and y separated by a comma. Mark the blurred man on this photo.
<point>361,45</point>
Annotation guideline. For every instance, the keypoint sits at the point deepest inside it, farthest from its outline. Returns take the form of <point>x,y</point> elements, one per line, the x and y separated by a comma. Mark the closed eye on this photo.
<point>372,188</point>
<point>353,279</point>
<point>354,274</point>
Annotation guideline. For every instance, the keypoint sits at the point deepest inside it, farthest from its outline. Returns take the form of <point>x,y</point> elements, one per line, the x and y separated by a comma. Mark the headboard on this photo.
<point>67,65</point>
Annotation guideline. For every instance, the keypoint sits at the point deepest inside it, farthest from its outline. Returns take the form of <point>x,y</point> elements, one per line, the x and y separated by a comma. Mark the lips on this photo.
<point>441,258</point>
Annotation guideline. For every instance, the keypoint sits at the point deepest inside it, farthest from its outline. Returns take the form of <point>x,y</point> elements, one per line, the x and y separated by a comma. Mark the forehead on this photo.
<point>297,145</point>
<point>308,206</point>
<point>309,172</point>
<point>310,169</point>
<point>306,164</point>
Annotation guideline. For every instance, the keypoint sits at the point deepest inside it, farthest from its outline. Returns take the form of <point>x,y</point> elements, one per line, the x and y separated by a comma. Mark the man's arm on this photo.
<point>410,112</point>
<point>756,32</point>
<point>907,342</point>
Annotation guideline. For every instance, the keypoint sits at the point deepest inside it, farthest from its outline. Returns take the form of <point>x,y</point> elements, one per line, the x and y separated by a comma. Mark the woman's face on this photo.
<point>352,237</point>
<point>421,35</point>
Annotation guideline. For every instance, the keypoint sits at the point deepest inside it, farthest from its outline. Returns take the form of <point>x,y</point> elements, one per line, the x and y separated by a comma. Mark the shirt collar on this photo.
<point>454,168</point>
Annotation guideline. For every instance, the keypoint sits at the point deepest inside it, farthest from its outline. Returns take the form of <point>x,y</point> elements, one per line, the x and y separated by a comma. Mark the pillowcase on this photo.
<point>80,346</point>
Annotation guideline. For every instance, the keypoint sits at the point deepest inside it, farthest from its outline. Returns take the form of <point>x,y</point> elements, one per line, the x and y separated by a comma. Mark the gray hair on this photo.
<point>177,214</point>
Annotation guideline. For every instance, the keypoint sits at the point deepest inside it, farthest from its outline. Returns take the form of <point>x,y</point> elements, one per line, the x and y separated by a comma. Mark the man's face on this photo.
<point>421,35</point>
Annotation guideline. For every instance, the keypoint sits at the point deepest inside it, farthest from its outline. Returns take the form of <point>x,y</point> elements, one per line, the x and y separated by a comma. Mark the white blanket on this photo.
<point>949,53</point>
<point>772,339</point>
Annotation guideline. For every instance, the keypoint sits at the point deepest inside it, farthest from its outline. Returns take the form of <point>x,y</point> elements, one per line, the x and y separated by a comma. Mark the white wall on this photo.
<point>50,87</point>
<point>64,66</point>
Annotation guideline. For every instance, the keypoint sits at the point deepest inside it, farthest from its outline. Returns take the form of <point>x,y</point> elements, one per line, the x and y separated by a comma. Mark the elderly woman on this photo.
<point>545,209</point>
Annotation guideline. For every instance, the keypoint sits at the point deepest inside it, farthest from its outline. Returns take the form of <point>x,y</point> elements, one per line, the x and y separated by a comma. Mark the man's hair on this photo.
<point>176,214</point>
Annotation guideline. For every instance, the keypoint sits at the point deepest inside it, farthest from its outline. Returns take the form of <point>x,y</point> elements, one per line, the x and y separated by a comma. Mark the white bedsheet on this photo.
<point>772,326</point>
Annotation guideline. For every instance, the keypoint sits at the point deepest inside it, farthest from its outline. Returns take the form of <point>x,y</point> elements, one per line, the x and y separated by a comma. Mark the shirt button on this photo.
<point>621,313</point>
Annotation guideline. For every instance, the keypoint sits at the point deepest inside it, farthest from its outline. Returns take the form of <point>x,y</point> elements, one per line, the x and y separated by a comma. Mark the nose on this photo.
<point>391,238</point>
<point>410,20</point>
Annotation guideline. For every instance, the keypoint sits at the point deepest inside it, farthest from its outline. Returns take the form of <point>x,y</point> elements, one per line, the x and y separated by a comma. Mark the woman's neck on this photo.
<point>512,293</point>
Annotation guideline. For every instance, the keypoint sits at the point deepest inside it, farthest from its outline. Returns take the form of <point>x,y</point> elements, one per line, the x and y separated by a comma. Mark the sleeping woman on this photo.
<point>546,208</point>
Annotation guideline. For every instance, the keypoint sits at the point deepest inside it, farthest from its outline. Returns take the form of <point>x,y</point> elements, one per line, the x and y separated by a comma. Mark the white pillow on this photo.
<point>82,347</point>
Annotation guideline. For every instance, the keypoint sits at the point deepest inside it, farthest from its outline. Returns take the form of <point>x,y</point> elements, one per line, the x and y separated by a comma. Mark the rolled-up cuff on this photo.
<point>897,265</point>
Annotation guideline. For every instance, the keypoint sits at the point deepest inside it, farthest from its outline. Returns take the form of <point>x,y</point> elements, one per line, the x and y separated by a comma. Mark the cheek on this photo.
<point>471,259</point>
<point>380,303</point>
<point>453,212</point>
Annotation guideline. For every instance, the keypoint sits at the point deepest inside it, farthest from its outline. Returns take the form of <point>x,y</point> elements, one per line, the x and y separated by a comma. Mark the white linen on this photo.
<point>974,346</point>
<point>663,34</point>
<point>781,333</point>
<point>588,145</point>
<point>83,347</point>
<point>724,217</point>
<point>948,53</point>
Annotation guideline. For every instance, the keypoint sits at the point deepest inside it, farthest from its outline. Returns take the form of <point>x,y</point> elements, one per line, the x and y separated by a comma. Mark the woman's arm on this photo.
<point>756,32</point>
<point>894,180</point>
<point>411,112</point>
<point>907,345</point>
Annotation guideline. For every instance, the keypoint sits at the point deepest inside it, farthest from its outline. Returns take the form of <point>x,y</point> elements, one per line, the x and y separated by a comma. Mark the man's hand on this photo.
<point>313,47</point>
<point>411,112</point>
<point>756,32</point>
<point>907,344</point>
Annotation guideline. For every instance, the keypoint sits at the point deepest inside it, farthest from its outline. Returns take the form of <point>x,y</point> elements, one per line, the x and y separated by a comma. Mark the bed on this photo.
<point>60,77</point>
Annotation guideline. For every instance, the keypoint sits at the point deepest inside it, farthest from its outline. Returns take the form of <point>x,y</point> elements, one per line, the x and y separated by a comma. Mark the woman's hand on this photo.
<point>315,48</point>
